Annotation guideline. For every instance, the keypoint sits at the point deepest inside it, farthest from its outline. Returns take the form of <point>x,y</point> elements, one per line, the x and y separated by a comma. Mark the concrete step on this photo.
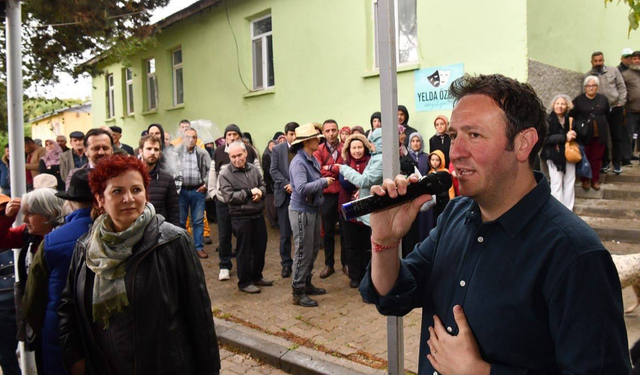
<point>623,230</point>
<point>621,248</point>
<point>614,209</point>
<point>618,191</point>
<point>624,178</point>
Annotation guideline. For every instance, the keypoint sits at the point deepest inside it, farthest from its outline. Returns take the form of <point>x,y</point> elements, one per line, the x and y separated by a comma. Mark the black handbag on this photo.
<point>583,128</point>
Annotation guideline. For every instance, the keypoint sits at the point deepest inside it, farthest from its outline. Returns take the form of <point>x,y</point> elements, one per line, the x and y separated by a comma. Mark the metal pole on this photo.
<point>16,134</point>
<point>391,165</point>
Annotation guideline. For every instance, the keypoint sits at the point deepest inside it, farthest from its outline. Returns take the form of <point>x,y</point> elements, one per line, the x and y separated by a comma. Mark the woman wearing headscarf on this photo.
<point>42,212</point>
<point>50,162</point>
<point>416,158</point>
<point>136,299</point>
<point>307,184</point>
<point>345,132</point>
<point>441,140</point>
<point>402,141</point>
<point>272,212</point>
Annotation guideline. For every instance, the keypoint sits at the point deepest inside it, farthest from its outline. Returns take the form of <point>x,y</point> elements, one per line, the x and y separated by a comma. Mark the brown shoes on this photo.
<point>202,254</point>
<point>596,185</point>
<point>586,185</point>
<point>263,282</point>
<point>326,272</point>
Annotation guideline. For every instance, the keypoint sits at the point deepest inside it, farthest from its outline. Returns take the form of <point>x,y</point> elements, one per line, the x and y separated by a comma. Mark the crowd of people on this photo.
<point>105,217</point>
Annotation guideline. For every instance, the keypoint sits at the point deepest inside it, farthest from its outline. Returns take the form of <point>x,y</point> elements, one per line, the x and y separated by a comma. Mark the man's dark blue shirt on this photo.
<point>539,290</point>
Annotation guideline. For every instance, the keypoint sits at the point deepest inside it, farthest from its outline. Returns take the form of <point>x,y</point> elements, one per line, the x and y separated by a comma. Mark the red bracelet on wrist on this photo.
<point>377,248</point>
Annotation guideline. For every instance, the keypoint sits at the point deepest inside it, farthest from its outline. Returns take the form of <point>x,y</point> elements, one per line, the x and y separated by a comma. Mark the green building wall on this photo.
<point>323,58</point>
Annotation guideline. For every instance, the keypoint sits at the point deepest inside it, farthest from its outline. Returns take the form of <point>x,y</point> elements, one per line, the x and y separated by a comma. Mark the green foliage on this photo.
<point>59,34</point>
<point>634,12</point>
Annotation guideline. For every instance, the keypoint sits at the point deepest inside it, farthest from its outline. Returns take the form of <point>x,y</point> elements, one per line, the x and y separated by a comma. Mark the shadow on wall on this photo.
<point>549,81</point>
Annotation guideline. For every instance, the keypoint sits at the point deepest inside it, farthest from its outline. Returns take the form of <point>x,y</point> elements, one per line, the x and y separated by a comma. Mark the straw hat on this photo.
<point>307,131</point>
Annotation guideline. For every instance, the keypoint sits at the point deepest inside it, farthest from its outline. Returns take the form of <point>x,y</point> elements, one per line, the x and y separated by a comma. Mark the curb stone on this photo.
<point>282,354</point>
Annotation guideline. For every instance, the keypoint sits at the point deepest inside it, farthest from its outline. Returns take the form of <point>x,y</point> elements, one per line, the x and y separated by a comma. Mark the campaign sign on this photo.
<point>432,87</point>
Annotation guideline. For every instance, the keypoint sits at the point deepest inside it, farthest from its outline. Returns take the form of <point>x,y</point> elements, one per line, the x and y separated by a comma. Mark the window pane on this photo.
<point>177,57</point>
<point>151,66</point>
<point>407,31</point>
<point>271,77</point>
<point>110,80</point>
<point>130,97</point>
<point>152,92</point>
<point>179,87</point>
<point>262,26</point>
<point>129,75</point>
<point>257,64</point>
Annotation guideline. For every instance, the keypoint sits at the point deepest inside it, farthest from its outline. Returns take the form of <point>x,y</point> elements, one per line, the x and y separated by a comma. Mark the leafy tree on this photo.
<point>634,12</point>
<point>60,34</point>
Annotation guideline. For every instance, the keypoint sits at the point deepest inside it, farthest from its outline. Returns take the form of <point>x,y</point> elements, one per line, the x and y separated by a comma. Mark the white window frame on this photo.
<point>149,76</point>
<point>111,104</point>
<point>374,5</point>
<point>128,89</point>
<point>265,55</point>
<point>177,67</point>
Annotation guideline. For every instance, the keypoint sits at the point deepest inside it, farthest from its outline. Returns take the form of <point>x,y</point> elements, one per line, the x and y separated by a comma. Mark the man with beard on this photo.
<point>98,144</point>
<point>612,86</point>
<point>162,188</point>
<point>632,81</point>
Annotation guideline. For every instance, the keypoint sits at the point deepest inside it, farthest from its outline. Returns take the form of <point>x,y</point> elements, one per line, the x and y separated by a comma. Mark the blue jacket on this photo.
<point>306,182</point>
<point>4,176</point>
<point>58,249</point>
<point>372,174</point>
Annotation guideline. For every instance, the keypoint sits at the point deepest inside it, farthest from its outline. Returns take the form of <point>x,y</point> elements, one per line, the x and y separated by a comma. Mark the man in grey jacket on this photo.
<point>613,87</point>
<point>194,164</point>
<point>243,189</point>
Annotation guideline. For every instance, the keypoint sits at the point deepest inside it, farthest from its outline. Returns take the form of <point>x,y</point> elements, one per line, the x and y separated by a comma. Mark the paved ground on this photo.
<point>342,325</point>
<point>242,364</point>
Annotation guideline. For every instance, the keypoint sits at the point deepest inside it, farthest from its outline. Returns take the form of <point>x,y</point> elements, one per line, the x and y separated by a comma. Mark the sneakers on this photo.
<point>616,169</point>
<point>605,168</point>
<point>224,275</point>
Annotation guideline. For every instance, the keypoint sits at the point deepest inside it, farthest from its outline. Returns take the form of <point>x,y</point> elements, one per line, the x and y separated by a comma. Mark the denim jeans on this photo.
<point>224,235</point>
<point>194,201</point>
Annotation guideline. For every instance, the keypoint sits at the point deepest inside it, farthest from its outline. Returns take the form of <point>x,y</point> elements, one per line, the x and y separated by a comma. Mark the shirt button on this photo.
<point>480,239</point>
<point>449,329</point>
<point>462,283</point>
<point>435,373</point>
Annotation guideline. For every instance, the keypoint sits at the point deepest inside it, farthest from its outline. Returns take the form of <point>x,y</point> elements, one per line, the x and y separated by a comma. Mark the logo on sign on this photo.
<point>439,78</point>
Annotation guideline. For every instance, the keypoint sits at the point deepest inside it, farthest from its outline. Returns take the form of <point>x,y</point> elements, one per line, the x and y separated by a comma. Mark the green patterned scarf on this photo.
<point>106,257</point>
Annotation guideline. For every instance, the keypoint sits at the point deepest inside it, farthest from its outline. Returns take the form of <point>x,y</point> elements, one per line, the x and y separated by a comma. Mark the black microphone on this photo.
<point>433,183</point>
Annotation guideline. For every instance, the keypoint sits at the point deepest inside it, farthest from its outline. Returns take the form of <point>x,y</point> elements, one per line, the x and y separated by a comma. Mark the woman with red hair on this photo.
<point>136,299</point>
